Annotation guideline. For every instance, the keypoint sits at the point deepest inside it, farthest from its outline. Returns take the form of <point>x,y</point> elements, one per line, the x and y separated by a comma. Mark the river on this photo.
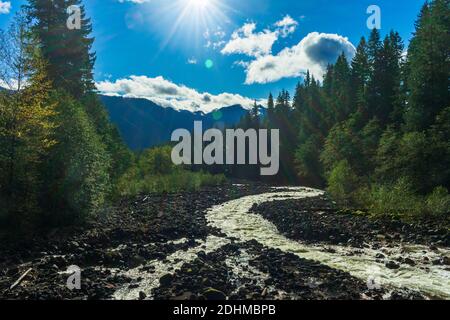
<point>235,220</point>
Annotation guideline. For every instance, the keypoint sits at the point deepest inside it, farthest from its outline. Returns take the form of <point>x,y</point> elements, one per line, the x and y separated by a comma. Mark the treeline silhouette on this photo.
<point>376,131</point>
<point>59,154</point>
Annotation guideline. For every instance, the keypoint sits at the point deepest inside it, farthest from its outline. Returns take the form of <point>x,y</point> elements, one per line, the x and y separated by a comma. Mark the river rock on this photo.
<point>392,265</point>
<point>214,294</point>
<point>142,295</point>
<point>166,280</point>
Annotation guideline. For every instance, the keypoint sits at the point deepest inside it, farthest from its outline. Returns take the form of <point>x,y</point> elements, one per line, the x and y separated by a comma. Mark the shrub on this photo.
<point>343,183</point>
<point>438,202</point>
<point>156,161</point>
<point>180,180</point>
<point>398,200</point>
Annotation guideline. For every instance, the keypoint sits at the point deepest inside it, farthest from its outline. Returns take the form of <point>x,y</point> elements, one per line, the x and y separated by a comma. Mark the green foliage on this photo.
<point>154,172</point>
<point>307,159</point>
<point>77,179</point>
<point>70,68</point>
<point>417,156</point>
<point>360,75</point>
<point>401,200</point>
<point>398,141</point>
<point>59,150</point>
<point>357,147</point>
<point>121,156</point>
<point>68,52</point>
<point>398,200</point>
<point>26,127</point>
<point>180,180</point>
<point>410,158</point>
<point>341,144</point>
<point>429,65</point>
<point>384,80</point>
<point>156,161</point>
<point>341,104</point>
<point>438,202</point>
<point>343,183</point>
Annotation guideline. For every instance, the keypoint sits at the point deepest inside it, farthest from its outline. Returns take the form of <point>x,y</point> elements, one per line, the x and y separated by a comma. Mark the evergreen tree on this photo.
<point>270,103</point>
<point>384,84</point>
<point>256,122</point>
<point>341,90</point>
<point>328,80</point>
<point>68,52</point>
<point>374,47</point>
<point>313,126</point>
<point>270,111</point>
<point>428,66</point>
<point>70,67</point>
<point>360,77</point>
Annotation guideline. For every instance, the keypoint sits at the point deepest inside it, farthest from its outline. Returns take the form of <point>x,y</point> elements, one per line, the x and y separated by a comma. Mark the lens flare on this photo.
<point>209,64</point>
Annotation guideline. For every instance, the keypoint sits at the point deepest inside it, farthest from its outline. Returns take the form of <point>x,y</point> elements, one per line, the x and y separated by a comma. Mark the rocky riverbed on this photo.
<point>232,242</point>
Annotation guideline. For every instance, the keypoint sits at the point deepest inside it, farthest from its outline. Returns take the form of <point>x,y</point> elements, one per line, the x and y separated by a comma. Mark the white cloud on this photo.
<point>245,41</point>
<point>256,44</point>
<point>214,38</point>
<point>287,26</point>
<point>5,7</point>
<point>313,53</point>
<point>169,94</point>
<point>241,63</point>
<point>192,61</point>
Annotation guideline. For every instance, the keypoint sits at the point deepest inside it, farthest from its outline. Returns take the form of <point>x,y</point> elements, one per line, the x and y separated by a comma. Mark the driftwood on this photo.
<point>15,284</point>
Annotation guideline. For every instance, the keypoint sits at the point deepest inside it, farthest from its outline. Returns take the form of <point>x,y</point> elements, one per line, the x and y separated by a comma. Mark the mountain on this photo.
<point>145,124</point>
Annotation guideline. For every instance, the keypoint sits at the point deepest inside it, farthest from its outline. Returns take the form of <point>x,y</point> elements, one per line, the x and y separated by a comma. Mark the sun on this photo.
<point>201,4</point>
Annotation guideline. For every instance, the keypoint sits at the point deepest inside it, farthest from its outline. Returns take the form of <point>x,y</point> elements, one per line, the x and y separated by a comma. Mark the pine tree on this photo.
<point>429,65</point>
<point>392,88</point>
<point>360,78</point>
<point>384,84</point>
<point>270,103</point>
<point>270,111</point>
<point>377,74</point>
<point>328,80</point>
<point>256,122</point>
<point>313,126</point>
<point>374,47</point>
<point>68,52</point>
<point>341,90</point>
<point>70,67</point>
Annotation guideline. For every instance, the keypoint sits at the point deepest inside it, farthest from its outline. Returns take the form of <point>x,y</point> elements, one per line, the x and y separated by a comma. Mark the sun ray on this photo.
<point>174,29</point>
<point>193,17</point>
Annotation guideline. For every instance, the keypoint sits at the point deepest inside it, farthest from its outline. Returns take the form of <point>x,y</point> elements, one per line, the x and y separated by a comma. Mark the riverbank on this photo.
<point>317,219</point>
<point>205,245</point>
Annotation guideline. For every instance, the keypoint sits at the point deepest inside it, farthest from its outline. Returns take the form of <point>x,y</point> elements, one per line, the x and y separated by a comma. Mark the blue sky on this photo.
<point>201,54</point>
